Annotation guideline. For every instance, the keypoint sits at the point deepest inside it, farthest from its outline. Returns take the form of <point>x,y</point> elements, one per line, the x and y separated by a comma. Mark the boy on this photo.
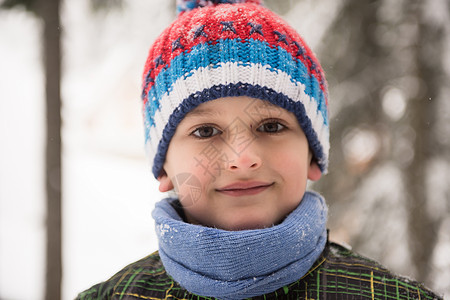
<point>236,119</point>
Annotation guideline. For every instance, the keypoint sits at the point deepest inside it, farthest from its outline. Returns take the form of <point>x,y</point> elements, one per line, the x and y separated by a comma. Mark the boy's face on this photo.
<point>238,163</point>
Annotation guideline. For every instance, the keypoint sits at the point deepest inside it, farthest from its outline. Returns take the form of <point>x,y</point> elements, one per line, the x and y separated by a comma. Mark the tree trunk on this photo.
<point>363,31</point>
<point>49,11</point>
<point>428,56</point>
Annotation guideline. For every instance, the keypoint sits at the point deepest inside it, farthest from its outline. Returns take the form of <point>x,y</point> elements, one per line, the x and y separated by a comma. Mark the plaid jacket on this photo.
<point>337,274</point>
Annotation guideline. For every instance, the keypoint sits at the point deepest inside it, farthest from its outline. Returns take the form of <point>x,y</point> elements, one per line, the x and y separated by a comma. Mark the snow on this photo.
<point>21,151</point>
<point>109,191</point>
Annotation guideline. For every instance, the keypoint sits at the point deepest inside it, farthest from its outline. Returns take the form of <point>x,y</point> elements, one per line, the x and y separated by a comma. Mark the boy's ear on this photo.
<point>314,172</point>
<point>165,184</point>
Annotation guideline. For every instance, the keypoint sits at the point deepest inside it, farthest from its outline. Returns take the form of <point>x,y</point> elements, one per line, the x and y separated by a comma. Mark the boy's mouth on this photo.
<point>244,188</point>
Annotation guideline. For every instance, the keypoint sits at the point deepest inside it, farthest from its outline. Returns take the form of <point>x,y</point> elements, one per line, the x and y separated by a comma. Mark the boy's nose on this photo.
<point>244,165</point>
<point>242,146</point>
<point>246,159</point>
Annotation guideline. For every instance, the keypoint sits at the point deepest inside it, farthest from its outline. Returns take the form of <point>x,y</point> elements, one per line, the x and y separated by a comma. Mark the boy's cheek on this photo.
<point>189,186</point>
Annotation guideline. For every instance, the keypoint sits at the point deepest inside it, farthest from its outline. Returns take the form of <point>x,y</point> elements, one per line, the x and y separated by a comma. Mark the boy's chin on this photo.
<point>246,223</point>
<point>242,226</point>
<point>238,219</point>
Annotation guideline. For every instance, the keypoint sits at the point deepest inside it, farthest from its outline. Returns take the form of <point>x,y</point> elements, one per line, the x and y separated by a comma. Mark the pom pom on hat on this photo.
<point>188,5</point>
<point>231,48</point>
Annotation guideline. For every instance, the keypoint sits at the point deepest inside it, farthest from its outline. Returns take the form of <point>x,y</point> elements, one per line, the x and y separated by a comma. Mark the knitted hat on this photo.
<point>226,48</point>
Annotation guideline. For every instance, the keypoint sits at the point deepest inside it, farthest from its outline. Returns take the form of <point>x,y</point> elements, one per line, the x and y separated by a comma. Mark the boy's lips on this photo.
<point>244,188</point>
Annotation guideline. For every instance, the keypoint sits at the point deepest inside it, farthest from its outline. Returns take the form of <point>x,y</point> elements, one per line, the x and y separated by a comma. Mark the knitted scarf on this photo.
<point>240,264</point>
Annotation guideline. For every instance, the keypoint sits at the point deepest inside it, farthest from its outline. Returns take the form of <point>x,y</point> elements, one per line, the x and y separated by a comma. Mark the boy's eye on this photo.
<point>205,132</point>
<point>271,127</point>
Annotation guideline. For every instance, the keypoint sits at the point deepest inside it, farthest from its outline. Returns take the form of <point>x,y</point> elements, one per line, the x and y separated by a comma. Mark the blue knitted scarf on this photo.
<point>240,264</point>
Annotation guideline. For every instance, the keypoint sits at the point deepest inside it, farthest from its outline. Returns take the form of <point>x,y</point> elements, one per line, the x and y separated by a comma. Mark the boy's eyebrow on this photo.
<point>265,108</point>
<point>202,112</point>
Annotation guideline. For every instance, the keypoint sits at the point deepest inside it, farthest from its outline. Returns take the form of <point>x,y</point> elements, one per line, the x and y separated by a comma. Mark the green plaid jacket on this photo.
<point>337,274</point>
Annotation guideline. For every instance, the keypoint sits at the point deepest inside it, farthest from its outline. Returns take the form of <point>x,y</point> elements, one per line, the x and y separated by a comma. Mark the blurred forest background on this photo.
<point>74,181</point>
